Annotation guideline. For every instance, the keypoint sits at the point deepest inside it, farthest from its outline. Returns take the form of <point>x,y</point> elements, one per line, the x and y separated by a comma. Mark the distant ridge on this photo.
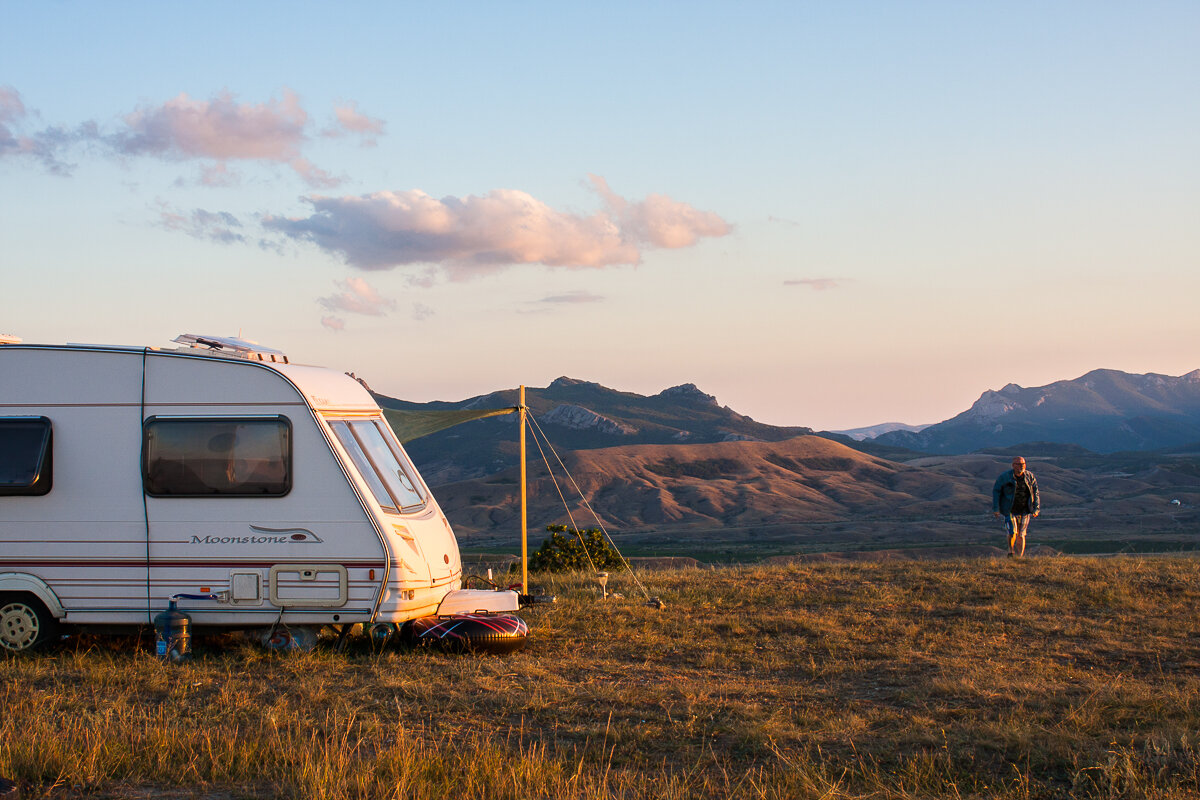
<point>872,431</point>
<point>1104,411</point>
<point>579,415</point>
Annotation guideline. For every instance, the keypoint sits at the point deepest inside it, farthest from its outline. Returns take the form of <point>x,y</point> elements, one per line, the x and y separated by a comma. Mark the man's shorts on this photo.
<point>1017,525</point>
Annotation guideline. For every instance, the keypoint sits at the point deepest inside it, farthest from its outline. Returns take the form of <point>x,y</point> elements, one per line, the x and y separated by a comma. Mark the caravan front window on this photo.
<point>217,456</point>
<point>25,455</point>
<point>380,464</point>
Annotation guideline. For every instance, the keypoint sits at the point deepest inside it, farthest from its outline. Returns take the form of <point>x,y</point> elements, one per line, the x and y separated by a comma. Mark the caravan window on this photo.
<point>217,456</point>
<point>25,456</point>
<point>381,465</point>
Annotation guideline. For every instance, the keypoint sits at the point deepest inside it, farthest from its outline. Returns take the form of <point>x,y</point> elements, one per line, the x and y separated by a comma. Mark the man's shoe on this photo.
<point>1011,554</point>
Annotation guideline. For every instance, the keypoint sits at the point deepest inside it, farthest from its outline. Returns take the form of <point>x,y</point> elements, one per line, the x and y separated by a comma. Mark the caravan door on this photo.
<point>244,496</point>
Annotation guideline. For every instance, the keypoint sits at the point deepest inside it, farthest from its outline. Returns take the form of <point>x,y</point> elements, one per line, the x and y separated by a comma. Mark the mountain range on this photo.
<point>577,415</point>
<point>1105,411</point>
<point>680,473</point>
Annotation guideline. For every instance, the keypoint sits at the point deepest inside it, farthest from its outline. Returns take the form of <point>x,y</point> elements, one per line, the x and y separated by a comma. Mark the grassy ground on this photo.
<point>1057,677</point>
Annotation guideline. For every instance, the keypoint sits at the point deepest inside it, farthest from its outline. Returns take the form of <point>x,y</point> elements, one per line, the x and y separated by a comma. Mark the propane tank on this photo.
<point>173,639</point>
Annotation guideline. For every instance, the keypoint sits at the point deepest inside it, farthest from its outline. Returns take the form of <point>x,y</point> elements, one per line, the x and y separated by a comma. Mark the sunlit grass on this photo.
<point>1036,678</point>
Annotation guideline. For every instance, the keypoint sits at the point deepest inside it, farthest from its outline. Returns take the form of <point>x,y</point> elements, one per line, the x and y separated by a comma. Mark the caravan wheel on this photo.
<point>24,623</point>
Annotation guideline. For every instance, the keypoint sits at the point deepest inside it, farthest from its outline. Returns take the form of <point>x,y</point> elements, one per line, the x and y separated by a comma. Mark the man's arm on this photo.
<point>1035,498</point>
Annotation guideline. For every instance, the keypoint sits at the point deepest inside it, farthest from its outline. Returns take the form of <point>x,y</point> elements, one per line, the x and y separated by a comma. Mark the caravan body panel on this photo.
<point>125,527</point>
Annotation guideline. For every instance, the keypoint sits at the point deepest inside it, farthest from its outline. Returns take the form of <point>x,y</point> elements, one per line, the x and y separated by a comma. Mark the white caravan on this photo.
<point>131,475</point>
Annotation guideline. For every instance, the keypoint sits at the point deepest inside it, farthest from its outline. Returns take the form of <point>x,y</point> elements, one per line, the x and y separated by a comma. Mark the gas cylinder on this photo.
<point>173,636</point>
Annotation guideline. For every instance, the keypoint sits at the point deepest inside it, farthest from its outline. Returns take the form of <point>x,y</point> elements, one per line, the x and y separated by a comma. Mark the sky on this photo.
<point>832,214</point>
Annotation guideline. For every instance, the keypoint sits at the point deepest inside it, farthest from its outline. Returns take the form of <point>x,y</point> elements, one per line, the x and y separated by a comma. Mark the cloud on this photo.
<point>218,175</point>
<point>580,296</point>
<point>420,311</point>
<point>215,131</point>
<point>477,234</point>
<point>357,297</point>
<point>818,284</point>
<point>214,226</point>
<point>658,220</point>
<point>43,145</point>
<point>334,323</point>
<point>350,120</point>
<point>221,129</point>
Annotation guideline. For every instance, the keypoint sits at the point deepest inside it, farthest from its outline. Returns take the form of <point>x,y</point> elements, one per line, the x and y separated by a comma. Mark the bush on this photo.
<point>564,551</point>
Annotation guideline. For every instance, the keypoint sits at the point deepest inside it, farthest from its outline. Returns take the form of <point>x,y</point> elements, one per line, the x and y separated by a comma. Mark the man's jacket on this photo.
<point>1006,488</point>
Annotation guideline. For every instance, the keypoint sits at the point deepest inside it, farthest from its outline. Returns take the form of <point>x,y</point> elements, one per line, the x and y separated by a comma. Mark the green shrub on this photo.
<point>567,550</point>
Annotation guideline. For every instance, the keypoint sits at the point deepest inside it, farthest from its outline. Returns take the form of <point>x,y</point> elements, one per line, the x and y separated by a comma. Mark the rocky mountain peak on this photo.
<point>688,391</point>
<point>993,404</point>
<point>565,382</point>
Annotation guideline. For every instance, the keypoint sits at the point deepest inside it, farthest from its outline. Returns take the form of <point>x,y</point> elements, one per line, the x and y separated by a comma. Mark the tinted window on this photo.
<point>217,456</point>
<point>25,455</point>
<point>379,460</point>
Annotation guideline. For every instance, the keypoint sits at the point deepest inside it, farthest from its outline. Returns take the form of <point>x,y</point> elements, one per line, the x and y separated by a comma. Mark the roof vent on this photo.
<point>6,338</point>
<point>233,346</point>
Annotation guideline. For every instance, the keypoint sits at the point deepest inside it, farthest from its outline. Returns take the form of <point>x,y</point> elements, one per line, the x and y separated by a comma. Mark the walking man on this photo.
<point>1015,496</point>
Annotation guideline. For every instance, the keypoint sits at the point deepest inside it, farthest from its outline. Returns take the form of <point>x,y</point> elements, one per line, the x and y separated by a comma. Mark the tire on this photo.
<point>468,633</point>
<point>25,624</point>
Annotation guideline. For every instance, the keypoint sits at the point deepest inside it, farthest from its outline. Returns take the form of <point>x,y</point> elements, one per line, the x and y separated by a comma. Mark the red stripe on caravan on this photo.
<point>178,563</point>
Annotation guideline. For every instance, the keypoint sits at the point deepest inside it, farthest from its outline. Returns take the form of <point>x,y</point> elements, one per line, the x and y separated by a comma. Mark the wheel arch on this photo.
<point>18,582</point>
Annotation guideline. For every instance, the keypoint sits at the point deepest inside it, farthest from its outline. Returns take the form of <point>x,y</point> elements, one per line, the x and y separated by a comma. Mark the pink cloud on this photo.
<point>11,105</point>
<point>216,131</point>
<point>351,120</point>
<point>357,297</point>
<point>475,234</point>
<point>222,130</point>
<point>334,323</point>
<point>659,220</point>
<point>817,284</point>
<point>43,145</point>
<point>218,175</point>
<point>312,175</point>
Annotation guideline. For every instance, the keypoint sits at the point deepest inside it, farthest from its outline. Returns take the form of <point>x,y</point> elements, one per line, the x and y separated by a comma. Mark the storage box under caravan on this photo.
<point>277,491</point>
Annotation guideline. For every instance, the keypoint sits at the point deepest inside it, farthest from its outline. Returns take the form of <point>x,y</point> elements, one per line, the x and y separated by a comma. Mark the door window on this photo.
<point>386,471</point>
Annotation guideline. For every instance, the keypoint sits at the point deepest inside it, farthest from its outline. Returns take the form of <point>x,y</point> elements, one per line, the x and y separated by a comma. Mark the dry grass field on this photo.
<point>1049,677</point>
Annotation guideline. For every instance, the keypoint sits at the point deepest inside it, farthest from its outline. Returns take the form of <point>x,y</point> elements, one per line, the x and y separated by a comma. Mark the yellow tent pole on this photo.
<point>524,512</point>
